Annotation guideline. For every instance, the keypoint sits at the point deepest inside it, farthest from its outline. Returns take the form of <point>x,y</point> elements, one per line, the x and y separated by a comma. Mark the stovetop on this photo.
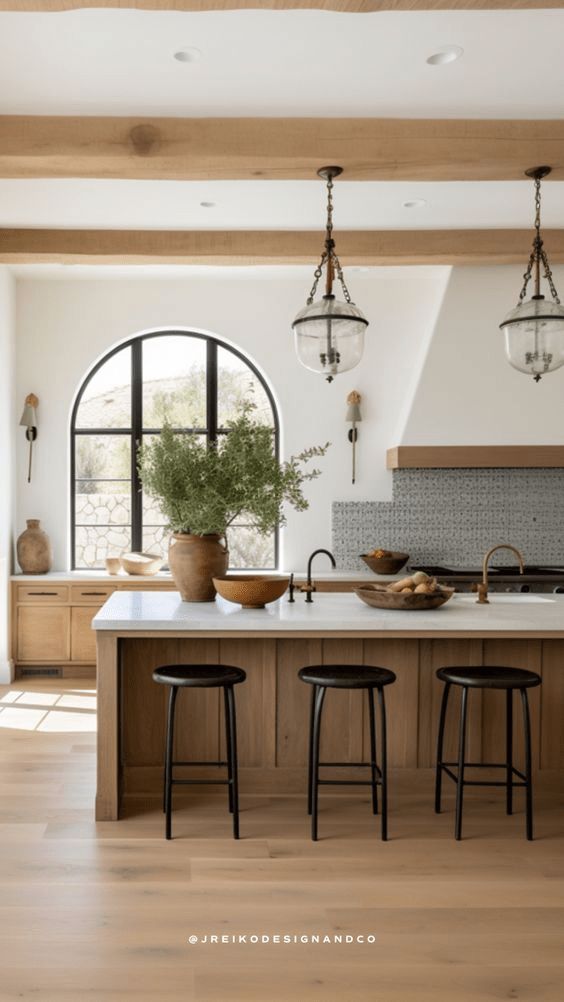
<point>495,570</point>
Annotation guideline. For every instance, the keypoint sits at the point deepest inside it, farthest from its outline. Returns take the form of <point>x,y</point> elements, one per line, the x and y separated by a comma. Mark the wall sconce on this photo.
<point>354,416</point>
<point>29,422</point>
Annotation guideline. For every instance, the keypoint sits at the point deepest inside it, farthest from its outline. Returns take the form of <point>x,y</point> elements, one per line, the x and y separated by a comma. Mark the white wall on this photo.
<point>65,324</point>
<point>468,394</point>
<point>7,459</point>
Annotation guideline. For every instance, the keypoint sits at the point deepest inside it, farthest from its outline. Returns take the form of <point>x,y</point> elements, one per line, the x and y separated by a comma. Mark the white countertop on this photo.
<point>329,613</point>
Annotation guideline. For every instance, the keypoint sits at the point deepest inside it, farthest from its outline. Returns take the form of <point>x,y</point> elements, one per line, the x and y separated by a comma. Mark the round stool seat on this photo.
<point>494,677</point>
<point>347,676</point>
<point>199,676</point>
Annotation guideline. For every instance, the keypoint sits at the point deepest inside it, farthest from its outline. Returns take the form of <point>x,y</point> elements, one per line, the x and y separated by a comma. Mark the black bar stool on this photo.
<point>487,678</point>
<point>202,677</point>
<point>323,677</point>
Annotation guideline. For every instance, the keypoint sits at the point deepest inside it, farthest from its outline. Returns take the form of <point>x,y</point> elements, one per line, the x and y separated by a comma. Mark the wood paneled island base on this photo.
<point>273,706</point>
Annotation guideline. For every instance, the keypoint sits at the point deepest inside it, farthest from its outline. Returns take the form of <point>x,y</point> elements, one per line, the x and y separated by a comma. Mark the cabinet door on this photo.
<point>43,633</point>
<point>83,637</point>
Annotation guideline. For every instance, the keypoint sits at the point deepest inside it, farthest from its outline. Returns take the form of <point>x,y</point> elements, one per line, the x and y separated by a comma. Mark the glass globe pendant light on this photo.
<point>329,332</point>
<point>534,329</point>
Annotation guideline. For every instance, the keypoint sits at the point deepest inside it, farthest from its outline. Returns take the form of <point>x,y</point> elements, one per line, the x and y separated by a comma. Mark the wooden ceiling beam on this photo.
<point>343,6</point>
<point>369,149</point>
<point>445,457</point>
<point>248,247</point>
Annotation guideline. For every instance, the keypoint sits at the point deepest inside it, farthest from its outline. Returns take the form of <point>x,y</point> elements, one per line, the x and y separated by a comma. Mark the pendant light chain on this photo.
<point>549,278</point>
<point>329,256</point>
<point>317,275</point>
<point>538,255</point>
<point>341,277</point>
<point>526,278</point>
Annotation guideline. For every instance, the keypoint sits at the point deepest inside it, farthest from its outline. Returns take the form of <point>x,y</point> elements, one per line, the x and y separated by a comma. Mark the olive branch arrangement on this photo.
<point>205,488</point>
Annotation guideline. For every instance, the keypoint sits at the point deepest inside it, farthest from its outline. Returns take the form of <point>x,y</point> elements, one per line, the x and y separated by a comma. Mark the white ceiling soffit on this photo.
<point>270,205</point>
<point>121,62</point>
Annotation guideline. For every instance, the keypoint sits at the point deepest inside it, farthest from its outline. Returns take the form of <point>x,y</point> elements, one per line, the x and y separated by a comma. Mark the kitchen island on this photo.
<point>138,631</point>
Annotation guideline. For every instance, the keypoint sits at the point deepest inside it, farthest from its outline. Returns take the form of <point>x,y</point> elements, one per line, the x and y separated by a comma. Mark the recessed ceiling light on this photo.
<point>414,203</point>
<point>208,205</point>
<point>448,54</point>
<point>188,55</point>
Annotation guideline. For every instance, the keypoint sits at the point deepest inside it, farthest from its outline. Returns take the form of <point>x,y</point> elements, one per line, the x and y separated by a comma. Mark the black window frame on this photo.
<point>136,431</point>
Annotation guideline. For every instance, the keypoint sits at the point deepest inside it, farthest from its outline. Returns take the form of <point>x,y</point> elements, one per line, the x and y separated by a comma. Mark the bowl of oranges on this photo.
<point>384,561</point>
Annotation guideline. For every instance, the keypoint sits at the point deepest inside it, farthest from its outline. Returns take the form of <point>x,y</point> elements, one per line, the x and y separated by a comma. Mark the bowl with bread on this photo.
<point>418,591</point>
<point>384,561</point>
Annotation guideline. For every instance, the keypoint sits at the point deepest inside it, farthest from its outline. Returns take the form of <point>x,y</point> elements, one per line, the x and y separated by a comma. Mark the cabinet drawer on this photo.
<point>90,594</point>
<point>83,637</point>
<point>43,634</point>
<point>43,593</point>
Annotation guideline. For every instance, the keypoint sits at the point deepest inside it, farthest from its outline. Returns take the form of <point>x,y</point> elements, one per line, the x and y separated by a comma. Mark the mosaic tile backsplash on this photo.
<point>452,517</point>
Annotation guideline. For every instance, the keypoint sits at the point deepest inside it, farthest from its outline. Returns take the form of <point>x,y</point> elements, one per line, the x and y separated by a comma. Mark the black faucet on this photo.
<point>309,587</point>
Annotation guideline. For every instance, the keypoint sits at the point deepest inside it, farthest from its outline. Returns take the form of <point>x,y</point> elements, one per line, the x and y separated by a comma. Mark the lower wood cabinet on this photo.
<point>83,637</point>
<point>52,623</point>
<point>43,633</point>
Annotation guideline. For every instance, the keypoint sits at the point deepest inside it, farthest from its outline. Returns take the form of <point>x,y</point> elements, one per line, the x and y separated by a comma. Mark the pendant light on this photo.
<point>328,332</point>
<point>534,330</point>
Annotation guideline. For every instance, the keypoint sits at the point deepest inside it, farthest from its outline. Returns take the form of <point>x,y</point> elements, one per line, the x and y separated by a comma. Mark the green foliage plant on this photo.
<point>204,489</point>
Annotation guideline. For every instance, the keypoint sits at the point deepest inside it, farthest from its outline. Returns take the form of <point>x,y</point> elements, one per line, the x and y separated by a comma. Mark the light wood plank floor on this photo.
<point>104,911</point>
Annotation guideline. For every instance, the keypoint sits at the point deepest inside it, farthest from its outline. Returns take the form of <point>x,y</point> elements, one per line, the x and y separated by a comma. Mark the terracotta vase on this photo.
<point>34,551</point>
<point>194,561</point>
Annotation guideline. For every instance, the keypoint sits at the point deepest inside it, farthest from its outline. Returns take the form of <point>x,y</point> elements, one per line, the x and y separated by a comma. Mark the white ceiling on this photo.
<point>273,204</point>
<point>120,62</point>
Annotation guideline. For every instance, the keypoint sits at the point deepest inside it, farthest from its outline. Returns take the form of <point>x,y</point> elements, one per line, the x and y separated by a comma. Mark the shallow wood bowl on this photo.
<point>380,597</point>
<point>141,563</point>
<point>386,565</point>
<point>251,591</point>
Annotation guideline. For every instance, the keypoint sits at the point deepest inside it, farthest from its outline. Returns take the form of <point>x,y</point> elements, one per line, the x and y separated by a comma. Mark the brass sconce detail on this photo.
<point>354,416</point>
<point>29,422</point>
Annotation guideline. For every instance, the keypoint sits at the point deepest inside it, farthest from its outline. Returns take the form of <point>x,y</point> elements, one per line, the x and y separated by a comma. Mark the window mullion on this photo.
<point>211,390</point>
<point>136,441</point>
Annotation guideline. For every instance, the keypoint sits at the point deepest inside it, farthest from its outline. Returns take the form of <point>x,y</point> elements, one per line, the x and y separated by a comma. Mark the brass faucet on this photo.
<point>482,588</point>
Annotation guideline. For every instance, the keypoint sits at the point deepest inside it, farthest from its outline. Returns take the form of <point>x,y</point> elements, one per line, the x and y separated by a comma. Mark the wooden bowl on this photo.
<point>141,563</point>
<point>380,597</point>
<point>251,591</point>
<point>386,565</point>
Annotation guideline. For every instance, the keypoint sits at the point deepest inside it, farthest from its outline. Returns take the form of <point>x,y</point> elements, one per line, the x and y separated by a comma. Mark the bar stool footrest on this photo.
<point>349,782</point>
<point>201,782</point>
<point>445,766</point>
<point>199,763</point>
<point>348,765</point>
<point>377,781</point>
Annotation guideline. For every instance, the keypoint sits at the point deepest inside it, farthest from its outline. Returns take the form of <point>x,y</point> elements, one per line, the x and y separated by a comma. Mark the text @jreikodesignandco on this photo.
<point>282,939</point>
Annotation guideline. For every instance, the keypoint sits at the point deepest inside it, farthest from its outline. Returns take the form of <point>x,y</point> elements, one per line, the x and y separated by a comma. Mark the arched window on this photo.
<point>191,380</point>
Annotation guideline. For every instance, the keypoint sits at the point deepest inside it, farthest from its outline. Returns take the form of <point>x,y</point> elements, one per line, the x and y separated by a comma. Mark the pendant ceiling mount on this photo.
<point>534,329</point>
<point>328,332</point>
<point>537,173</point>
<point>328,173</point>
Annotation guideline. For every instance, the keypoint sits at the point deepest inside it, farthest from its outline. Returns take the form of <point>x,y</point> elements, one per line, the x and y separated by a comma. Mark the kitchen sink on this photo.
<point>506,598</point>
